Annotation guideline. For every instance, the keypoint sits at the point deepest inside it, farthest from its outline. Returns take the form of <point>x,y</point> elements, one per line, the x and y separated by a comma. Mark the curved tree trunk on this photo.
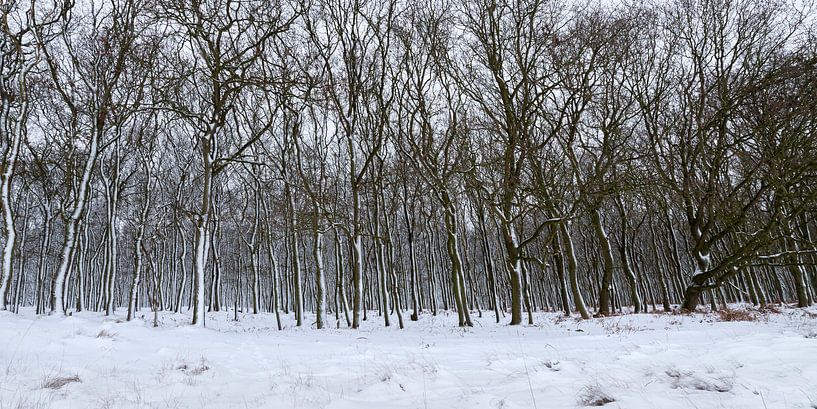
<point>570,253</point>
<point>607,263</point>
<point>454,254</point>
<point>71,225</point>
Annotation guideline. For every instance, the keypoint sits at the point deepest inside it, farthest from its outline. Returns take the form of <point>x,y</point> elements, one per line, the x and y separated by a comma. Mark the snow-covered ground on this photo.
<point>633,361</point>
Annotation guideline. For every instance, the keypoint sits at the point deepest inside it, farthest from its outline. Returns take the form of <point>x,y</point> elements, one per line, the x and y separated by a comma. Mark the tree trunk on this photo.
<point>72,223</point>
<point>570,253</point>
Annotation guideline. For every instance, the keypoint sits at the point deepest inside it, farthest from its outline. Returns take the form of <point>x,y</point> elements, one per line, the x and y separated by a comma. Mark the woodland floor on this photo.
<point>631,361</point>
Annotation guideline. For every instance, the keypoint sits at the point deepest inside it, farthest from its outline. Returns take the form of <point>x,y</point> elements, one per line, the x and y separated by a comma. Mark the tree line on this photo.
<point>361,157</point>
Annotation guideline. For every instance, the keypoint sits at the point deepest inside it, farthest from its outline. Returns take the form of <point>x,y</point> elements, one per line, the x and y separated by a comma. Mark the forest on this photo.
<point>336,161</point>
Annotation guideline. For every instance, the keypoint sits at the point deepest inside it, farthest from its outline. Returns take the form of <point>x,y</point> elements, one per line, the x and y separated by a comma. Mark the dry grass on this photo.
<point>616,327</point>
<point>593,395</point>
<point>57,382</point>
<point>105,334</point>
<point>194,369</point>
<point>735,315</point>
<point>770,309</point>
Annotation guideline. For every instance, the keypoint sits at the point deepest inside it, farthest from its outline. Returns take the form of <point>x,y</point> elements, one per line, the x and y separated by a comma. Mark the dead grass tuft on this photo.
<point>57,382</point>
<point>593,395</point>
<point>105,334</point>
<point>616,327</point>
<point>194,370</point>
<point>770,309</point>
<point>735,315</point>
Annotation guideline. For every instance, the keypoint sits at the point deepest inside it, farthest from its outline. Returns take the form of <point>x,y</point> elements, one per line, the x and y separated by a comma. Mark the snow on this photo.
<point>637,361</point>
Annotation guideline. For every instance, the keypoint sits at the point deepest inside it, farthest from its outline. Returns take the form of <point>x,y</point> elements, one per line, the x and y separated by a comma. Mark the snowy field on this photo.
<point>632,361</point>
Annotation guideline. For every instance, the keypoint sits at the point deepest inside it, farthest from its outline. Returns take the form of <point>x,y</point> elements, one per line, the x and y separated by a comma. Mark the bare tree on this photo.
<point>222,44</point>
<point>19,55</point>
